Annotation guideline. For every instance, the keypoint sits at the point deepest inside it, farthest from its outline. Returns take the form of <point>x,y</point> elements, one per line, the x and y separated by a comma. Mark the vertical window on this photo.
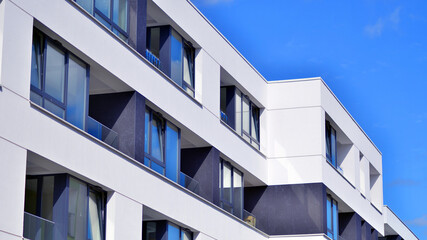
<point>158,230</point>
<point>59,81</point>
<point>247,119</point>
<point>162,145</point>
<point>111,13</point>
<point>231,189</point>
<point>332,217</point>
<point>176,57</point>
<point>86,207</point>
<point>331,144</point>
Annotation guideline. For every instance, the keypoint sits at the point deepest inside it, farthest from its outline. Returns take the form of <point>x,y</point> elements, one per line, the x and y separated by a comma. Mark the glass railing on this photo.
<point>189,183</point>
<point>249,218</point>
<point>102,132</point>
<point>37,228</point>
<point>152,58</point>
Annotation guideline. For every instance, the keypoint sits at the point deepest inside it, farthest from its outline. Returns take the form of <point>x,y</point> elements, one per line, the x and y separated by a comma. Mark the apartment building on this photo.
<point>137,119</point>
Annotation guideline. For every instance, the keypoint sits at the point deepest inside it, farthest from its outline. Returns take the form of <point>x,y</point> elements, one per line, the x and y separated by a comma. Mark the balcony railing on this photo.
<point>189,183</point>
<point>102,132</point>
<point>249,218</point>
<point>37,228</point>
<point>152,58</point>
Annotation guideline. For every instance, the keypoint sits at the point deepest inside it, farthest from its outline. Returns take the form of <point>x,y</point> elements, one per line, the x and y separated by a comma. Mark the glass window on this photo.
<point>238,112</point>
<point>77,210</point>
<point>245,114</point>
<point>157,139</point>
<point>173,232</point>
<point>231,189</point>
<point>31,196</point>
<point>255,123</point>
<point>76,93</point>
<point>103,6</point>
<point>176,58</point>
<point>47,197</point>
<point>86,4</point>
<point>55,72</point>
<point>332,217</point>
<point>226,183</point>
<point>36,98</point>
<point>147,131</point>
<point>150,233</point>
<point>237,193</point>
<point>188,65</point>
<point>162,151</point>
<point>172,152</point>
<point>36,61</point>
<point>51,107</point>
<point>154,41</point>
<point>120,13</point>
<point>186,235</point>
<point>331,144</point>
<point>247,119</point>
<point>158,230</point>
<point>96,211</point>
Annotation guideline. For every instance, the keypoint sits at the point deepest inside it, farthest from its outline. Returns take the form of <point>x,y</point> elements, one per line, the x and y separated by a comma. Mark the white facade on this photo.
<point>34,141</point>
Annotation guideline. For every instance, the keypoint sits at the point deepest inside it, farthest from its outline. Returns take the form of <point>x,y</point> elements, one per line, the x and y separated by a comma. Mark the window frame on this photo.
<point>42,91</point>
<point>113,26</point>
<point>89,188</point>
<point>334,219</point>
<point>148,155</point>
<point>244,133</point>
<point>331,156</point>
<point>224,202</point>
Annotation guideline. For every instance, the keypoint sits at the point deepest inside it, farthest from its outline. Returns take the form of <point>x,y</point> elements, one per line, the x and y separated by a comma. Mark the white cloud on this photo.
<point>421,221</point>
<point>390,21</point>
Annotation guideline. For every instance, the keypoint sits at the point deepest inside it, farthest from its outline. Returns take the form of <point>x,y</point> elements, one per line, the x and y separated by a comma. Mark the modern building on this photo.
<point>137,119</point>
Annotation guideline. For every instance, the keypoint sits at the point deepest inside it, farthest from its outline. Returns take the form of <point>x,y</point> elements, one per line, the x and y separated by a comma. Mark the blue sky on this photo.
<point>371,53</point>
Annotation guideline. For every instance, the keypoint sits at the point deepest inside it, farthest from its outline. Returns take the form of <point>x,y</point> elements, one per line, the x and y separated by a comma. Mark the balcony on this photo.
<point>103,133</point>
<point>37,228</point>
<point>152,58</point>
<point>188,183</point>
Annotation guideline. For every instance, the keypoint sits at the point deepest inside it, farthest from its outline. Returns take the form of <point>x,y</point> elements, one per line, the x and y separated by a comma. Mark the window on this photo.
<point>231,189</point>
<point>156,230</point>
<point>331,144</point>
<point>84,207</point>
<point>59,81</point>
<point>247,119</point>
<point>114,14</point>
<point>162,145</point>
<point>182,55</point>
<point>332,217</point>
<point>182,62</point>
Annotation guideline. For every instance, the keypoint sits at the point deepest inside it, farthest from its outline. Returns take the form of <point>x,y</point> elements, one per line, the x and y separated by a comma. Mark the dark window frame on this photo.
<point>148,155</point>
<point>331,156</point>
<point>90,188</point>
<point>251,106</point>
<point>185,45</point>
<point>224,202</point>
<point>42,93</point>
<point>330,232</point>
<point>113,26</point>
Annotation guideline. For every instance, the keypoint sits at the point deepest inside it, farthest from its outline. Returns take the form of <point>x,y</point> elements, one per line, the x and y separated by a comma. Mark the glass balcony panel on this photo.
<point>249,218</point>
<point>102,132</point>
<point>37,228</point>
<point>86,4</point>
<point>189,183</point>
<point>152,58</point>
